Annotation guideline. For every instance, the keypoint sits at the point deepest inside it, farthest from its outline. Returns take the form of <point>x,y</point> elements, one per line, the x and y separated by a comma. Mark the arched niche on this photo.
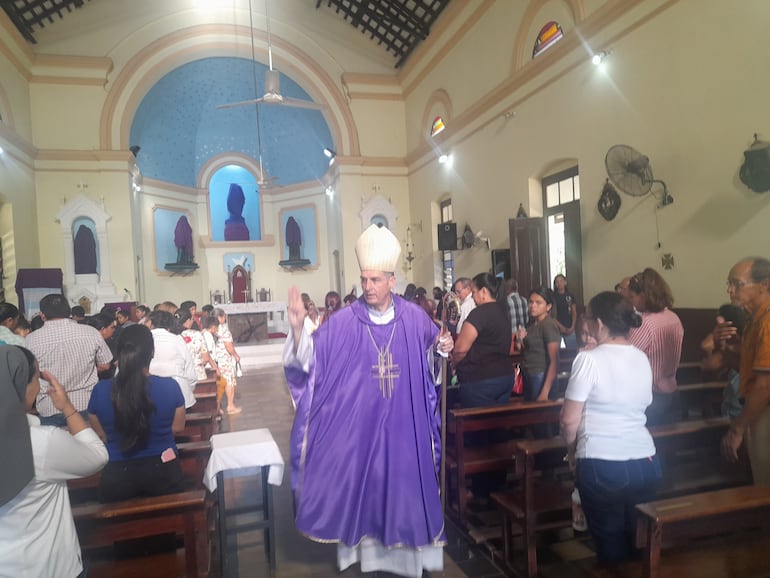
<point>379,211</point>
<point>97,286</point>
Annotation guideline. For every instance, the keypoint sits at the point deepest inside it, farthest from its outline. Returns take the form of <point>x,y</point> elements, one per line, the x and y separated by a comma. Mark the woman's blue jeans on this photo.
<point>609,492</point>
<point>533,385</point>
<point>492,391</point>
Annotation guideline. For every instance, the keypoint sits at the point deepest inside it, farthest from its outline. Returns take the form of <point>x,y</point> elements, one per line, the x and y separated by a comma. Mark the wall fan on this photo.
<point>630,171</point>
<point>469,239</point>
<point>272,93</point>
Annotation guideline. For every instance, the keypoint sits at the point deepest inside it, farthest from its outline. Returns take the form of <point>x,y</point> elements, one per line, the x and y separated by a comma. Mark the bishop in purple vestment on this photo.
<point>365,442</point>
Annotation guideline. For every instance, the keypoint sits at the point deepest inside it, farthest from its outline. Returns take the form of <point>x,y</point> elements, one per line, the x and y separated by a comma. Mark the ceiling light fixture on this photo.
<point>330,154</point>
<point>1,150</point>
<point>599,57</point>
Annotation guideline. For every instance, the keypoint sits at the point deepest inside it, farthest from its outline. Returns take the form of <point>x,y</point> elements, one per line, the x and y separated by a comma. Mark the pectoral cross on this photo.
<point>386,373</point>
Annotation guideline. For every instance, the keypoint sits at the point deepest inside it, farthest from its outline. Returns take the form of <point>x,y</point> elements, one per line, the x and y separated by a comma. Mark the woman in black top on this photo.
<point>481,354</point>
<point>566,311</point>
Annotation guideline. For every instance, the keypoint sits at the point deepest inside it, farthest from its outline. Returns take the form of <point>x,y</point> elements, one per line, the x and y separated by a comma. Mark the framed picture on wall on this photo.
<point>172,239</point>
<point>299,236</point>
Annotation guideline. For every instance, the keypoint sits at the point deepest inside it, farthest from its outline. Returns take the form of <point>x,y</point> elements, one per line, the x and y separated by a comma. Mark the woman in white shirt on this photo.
<point>37,532</point>
<point>603,424</point>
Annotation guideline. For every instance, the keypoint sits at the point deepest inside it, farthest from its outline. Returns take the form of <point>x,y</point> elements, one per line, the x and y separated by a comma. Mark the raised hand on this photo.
<point>296,311</point>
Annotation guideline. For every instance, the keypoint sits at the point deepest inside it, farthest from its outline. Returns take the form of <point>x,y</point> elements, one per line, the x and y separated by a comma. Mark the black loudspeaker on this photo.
<point>447,237</point>
<point>501,263</point>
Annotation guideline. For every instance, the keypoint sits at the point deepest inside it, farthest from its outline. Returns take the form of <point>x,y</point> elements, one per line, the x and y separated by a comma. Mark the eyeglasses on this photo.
<point>737,284</point>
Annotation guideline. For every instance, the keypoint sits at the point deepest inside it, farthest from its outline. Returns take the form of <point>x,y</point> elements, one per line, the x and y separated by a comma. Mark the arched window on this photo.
<point>234,208</point>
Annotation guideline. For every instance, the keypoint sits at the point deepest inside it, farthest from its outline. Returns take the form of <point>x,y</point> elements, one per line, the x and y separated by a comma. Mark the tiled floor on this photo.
<point>266,403</point>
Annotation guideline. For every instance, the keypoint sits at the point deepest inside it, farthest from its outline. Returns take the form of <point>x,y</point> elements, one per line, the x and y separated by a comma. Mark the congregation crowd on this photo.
<point>110,391</point>
<point>83,394</point>
<point>627,347</point>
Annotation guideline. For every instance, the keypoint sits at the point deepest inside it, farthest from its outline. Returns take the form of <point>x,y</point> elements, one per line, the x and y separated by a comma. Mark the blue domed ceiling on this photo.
<point>179,128</point>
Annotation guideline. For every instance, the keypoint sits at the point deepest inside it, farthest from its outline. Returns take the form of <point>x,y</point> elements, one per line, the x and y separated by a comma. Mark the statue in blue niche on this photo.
<point>293,238</point>
<point>293,234</point>
<point>85,251</point>
<point>235,226</point>
<point>183,242</point>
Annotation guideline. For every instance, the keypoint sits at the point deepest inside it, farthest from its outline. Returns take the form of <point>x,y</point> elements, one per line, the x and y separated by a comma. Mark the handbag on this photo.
<point>238,370</point>
<point>518,381</point>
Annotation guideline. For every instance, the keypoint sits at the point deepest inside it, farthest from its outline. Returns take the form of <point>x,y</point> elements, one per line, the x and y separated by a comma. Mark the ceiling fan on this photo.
<point>272,93</point>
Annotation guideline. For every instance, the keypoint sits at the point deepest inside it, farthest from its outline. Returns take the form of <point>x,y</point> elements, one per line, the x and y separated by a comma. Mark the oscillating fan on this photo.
<point>630,171</point>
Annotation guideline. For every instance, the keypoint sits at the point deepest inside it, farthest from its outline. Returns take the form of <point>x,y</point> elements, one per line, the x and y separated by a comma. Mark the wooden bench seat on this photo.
<point>198,426</point>
<point>99,525</point>
<point>738,555</point>
<point>464,460</point>
<point>539,503</point>
<point>193,457</point>
<point>694,515</point>
<point>206,386</point>
<point>205,402</point>
<point>484,459</point>
<point>704,397</point>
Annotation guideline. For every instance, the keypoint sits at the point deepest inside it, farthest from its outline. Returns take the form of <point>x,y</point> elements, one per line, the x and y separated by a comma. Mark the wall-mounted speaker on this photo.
<point>447,237</point>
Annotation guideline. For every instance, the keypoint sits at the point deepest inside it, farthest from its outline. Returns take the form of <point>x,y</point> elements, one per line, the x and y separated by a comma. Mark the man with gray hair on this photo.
<point>748,285</point>
<point>365,445</point>
<point>463,289</point>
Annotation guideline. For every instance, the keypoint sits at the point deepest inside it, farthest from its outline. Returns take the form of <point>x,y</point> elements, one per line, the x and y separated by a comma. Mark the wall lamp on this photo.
<point>330,154</point>
<point>135,150</point>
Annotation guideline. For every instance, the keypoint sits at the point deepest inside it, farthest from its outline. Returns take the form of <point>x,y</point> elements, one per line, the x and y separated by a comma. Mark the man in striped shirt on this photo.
<point>73,353</point>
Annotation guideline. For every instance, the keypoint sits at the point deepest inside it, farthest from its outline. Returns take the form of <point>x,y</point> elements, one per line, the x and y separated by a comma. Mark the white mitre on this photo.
<point>377,249</point>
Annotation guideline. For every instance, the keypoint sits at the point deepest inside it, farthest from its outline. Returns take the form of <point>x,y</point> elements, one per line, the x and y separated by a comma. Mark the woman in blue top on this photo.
<point>137,416</point>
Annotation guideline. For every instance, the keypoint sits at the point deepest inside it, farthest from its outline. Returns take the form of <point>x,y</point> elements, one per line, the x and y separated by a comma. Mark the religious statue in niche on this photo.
<point>183,241</point>
<point>184,247</point>
<point>235,226</point>
<point>85,251</point>
<point>293,236</point>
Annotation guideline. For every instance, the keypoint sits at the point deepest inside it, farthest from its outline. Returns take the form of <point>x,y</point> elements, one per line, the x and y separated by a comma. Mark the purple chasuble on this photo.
<point>363,464</point>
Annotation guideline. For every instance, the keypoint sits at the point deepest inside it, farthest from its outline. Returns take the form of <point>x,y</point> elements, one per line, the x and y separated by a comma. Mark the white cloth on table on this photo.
<point>243,449</point>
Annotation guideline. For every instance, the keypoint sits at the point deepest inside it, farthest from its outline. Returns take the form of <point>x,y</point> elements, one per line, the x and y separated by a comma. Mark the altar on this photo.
<point>249,322</point>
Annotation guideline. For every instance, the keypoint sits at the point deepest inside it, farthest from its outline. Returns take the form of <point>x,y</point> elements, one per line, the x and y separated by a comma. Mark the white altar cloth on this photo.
<point>244,449</point>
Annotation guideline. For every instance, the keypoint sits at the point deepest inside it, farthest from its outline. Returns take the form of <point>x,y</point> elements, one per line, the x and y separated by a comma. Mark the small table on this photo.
<point>235,451</point>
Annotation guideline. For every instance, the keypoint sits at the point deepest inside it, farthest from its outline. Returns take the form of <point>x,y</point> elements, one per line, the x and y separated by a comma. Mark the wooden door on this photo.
<point>529,253</point>
<point>573,251</point>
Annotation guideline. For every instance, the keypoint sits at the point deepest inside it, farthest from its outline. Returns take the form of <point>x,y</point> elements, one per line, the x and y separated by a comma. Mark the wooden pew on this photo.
<point>193,457</point>
<point>208,385</point>
<point>706,397</point>
<point>205,402</point>
<point>99,525</point>
<point>538,505</point>
<point>737,555</point>
<point>697,515</point>
<point>198,426</point>
<point>462,461</point>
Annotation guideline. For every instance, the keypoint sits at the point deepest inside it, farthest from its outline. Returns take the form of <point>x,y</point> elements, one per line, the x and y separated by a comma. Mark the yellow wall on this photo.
<point>685,84</point>
<point>685,88</point>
